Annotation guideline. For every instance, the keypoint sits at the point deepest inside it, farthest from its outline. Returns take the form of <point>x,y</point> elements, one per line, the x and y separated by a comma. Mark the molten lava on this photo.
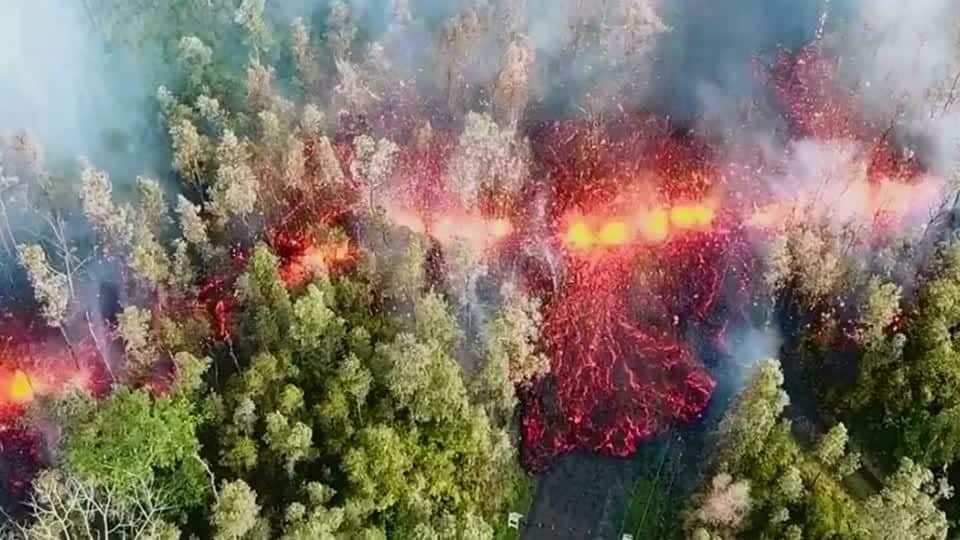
<point>20,388</point>
<point>615,382</point>
<point>621,368</point>
<point>34,363</point>
<point>651,226</point>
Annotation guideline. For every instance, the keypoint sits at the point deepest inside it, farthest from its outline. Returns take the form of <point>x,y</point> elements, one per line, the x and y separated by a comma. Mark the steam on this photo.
<point>905,59</point>
<point>749,346</point>
<point>828,181</point>
<point>62,85</point>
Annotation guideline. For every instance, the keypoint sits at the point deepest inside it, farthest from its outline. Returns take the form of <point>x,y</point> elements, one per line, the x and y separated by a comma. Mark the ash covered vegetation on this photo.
<point>365,269</point>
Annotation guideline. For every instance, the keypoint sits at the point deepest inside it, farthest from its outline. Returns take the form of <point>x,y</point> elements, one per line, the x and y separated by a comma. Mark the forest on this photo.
<point>370,269</point>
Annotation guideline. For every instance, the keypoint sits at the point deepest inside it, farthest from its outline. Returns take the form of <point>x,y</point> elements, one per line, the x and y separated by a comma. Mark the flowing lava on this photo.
<point>33,365</point>
<point>652,226</point>
<point>649,291</point>
<point>621,370</point>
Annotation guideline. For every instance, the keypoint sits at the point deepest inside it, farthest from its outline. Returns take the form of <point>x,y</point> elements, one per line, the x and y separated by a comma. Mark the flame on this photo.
<point>500,228</point>
<point>20,388</point>
<point>579,235</point>
<point>21,385</point>
<point>655,225</point>
<point>691,216</point>
<point>321,256</point>
<point>614,233</point>
<point>315,260</point>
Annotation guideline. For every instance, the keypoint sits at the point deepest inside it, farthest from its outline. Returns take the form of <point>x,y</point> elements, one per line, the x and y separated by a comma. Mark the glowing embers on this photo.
<point>584,233</point>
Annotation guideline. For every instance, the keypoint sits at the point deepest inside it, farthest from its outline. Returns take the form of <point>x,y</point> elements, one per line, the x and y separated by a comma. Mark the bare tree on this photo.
<point>512,91</point>
<point>64,506</point>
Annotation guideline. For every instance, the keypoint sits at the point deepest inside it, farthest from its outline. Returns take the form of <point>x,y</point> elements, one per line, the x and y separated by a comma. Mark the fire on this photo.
<point>21,385</point>
<point>314,260</point>
<point>579,236</point>
<point>656,226</point>
<point>652,226</point>
<point>614,234</point>
<point>500,228</point>
<point>320,257</point>
<point>20,388</point>
<point>691,216</point>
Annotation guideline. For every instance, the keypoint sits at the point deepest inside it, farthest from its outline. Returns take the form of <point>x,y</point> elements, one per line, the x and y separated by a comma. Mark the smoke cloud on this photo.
<point>905,60</point>
<point>62,85</point>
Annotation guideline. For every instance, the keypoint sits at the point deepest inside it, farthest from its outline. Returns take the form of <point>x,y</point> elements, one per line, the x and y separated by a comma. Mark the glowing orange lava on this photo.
<point>315,260</point>
<point>499,228</point>
<point>691,216</point>
<point>579,236</point>
<point>656,226</point>
<point>652,226</point>
<point>19,389</point>
<point>325,254</point>
<point>614,233</point>
<point>20,386</point>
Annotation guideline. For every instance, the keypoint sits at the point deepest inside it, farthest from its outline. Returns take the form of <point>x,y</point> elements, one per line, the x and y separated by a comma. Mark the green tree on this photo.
<point>752,418</point>
<point>510,353</point>
<point>832,451</point>
<point>907,505</point>
<point>133,326</point>
<point>131,439</point>
<point>192,226</point>
<point>433,321</point>
<point>152,205</point>
<point>908,390</point>
<point>50,287</point>
<point>235,512</point>
<point>112,223</point>
<point>293,443</point>
<point>235,190</point>
<point>267,303</point>
<point>423,379</point>
<point>881,306</point>
<point>149,260</point>
<point>316,327</point>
